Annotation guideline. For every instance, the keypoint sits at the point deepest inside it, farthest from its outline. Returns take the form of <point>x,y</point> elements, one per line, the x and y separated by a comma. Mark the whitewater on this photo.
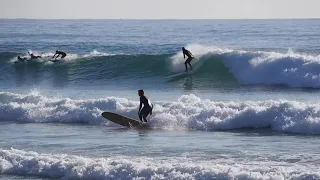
<point>249,110</point>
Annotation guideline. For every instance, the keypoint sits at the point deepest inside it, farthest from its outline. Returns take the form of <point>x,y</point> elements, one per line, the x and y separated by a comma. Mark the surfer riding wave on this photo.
<point>190,57</point>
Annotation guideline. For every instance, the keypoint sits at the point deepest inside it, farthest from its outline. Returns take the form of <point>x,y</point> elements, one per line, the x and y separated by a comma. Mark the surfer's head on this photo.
<point>183,49</point>
<point>140,92</point>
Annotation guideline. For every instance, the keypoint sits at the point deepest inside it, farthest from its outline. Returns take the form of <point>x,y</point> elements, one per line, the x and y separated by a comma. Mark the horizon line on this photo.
<point>160,18</point>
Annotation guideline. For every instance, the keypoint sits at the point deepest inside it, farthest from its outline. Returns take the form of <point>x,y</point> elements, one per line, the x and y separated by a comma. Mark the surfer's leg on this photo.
<point>185,63</point>
<point>140,116</point>
<point>144,113</point>
<point>145,117</point>
<point>63,56</point>
<point>188,62</point>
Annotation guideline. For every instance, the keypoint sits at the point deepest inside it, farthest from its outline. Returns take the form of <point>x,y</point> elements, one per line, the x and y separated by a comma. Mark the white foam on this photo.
<point>29,163</point>
<point>47,56</point>
<point>293,69</point>
<point>199,52</point>
<point>259,67</point>
<point>189,111</point>
<point>96,53</point>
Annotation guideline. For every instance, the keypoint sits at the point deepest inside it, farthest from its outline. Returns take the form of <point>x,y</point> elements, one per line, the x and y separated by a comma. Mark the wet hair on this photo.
<point>183,48</point>
<point>141,91</point>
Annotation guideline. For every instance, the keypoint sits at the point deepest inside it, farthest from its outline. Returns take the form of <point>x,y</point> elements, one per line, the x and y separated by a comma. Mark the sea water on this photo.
<point>250,110</point>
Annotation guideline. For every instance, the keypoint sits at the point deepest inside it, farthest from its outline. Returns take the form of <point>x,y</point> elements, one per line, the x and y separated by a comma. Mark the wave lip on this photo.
<point>188,112</point>
<point>64,166</point>
<point>292,69</point>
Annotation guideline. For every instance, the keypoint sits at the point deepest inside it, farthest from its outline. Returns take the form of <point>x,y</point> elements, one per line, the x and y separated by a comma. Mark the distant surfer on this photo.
<point>32,56</point>
<point>22,59</point>
<point>147,106</point>
<point>190,57</point>
<point>63,54</point>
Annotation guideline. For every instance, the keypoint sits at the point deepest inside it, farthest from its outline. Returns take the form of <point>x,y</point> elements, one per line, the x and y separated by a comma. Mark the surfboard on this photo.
<point>54,60</point>
<point>122,120</point>
<point>178,75</point>
<point>196,66</point>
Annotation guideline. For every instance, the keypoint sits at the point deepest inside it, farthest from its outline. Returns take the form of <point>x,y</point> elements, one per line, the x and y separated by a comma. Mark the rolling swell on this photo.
<point>223,66</point>
<point>105,67</point>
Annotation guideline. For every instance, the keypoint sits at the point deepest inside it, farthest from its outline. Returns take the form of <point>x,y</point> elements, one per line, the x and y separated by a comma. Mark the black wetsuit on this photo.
<point>22,59</point>
<point>63,54</point>
<point>190,57</point>
<point>146,110</point>
<point>34,57</point>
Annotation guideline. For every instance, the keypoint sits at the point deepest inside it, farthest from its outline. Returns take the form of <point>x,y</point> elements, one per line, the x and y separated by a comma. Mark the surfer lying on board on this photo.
<point>190,57</point>
<point>32,56</point>
<point>22,59</point>
<point>147,106</point>
<point>63,54</point>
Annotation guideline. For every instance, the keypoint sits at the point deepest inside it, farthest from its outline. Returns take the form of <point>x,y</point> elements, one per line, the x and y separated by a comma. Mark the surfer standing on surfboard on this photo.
<point>147,106</point>
<point>190,57</point>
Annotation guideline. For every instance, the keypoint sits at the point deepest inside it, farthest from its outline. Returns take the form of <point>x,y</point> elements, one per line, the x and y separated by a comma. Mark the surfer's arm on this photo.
<point>140,107</point>
<point>191,54</point>
<point>54,55</point>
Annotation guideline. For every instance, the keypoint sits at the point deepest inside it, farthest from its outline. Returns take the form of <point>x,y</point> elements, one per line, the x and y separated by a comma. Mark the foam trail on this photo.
<point>64,166</point>
<point>96,53</point>
<point>45,57</point>
<point>188,112</point>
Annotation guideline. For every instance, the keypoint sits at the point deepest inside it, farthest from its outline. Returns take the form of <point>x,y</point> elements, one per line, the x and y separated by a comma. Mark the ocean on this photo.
<point>250,108</point>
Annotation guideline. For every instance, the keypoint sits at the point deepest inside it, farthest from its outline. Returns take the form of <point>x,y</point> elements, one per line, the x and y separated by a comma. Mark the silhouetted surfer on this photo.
<point>190,57</point>
<point>147,106</point>
<point>32,56</point>
<point>22,59</point>
<point>63,54</point>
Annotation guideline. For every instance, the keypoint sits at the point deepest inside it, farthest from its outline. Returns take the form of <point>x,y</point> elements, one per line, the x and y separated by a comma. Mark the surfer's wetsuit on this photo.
<point>32,56</point>
<point>21,59</point>
<point>63,54</point>
<point>146,110</point>
<point>190,57</point>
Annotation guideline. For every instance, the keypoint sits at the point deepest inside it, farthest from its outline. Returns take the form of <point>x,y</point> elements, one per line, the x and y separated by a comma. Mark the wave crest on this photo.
<point>188,112</point>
